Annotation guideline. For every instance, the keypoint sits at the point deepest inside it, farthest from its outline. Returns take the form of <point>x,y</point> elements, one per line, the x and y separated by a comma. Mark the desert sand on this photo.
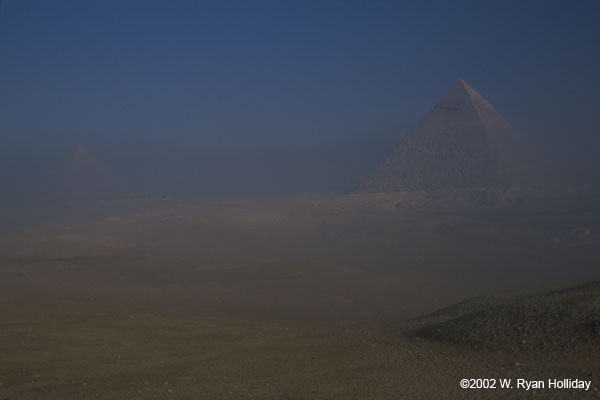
<point>322,296</point>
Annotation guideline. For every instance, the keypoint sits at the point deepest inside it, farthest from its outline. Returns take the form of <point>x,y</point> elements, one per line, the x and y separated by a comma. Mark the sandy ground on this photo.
<point>302,297</point>
<point>77,353</point>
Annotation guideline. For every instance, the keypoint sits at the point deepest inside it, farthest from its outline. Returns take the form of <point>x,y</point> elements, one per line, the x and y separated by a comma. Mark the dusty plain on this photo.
<point>303,297</point>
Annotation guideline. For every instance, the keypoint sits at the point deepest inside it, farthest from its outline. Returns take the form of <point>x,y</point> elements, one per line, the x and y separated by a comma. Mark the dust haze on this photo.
<point>276,223</point>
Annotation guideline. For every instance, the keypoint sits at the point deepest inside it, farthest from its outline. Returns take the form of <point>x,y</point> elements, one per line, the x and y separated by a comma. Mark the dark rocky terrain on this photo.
<point>559,323</point>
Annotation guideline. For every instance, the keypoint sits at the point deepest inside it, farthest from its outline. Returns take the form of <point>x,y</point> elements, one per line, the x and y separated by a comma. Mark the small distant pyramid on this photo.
<point>462,143</point>
<point>82,176</point>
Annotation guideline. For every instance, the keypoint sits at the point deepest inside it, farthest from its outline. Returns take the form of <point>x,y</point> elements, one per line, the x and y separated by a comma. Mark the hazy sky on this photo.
<point>254,75</point>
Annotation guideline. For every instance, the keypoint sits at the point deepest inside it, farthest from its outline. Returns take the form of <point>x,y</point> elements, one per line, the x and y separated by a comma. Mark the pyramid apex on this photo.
<point>79,175</point>
<point>82,155</point>
<point>80,149</point>
<point>465,86</point>
<point>460,96</point>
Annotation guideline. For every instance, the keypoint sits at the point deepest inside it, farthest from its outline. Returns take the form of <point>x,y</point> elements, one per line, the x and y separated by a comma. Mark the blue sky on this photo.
<point>268,75</point>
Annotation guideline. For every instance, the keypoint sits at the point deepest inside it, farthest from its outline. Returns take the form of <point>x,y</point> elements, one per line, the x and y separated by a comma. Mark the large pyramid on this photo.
<point>462,143</point>
<point>82,176</point>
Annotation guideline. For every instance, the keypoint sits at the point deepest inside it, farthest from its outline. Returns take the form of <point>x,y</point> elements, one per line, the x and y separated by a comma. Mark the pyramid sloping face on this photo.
<point>462,143</point>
